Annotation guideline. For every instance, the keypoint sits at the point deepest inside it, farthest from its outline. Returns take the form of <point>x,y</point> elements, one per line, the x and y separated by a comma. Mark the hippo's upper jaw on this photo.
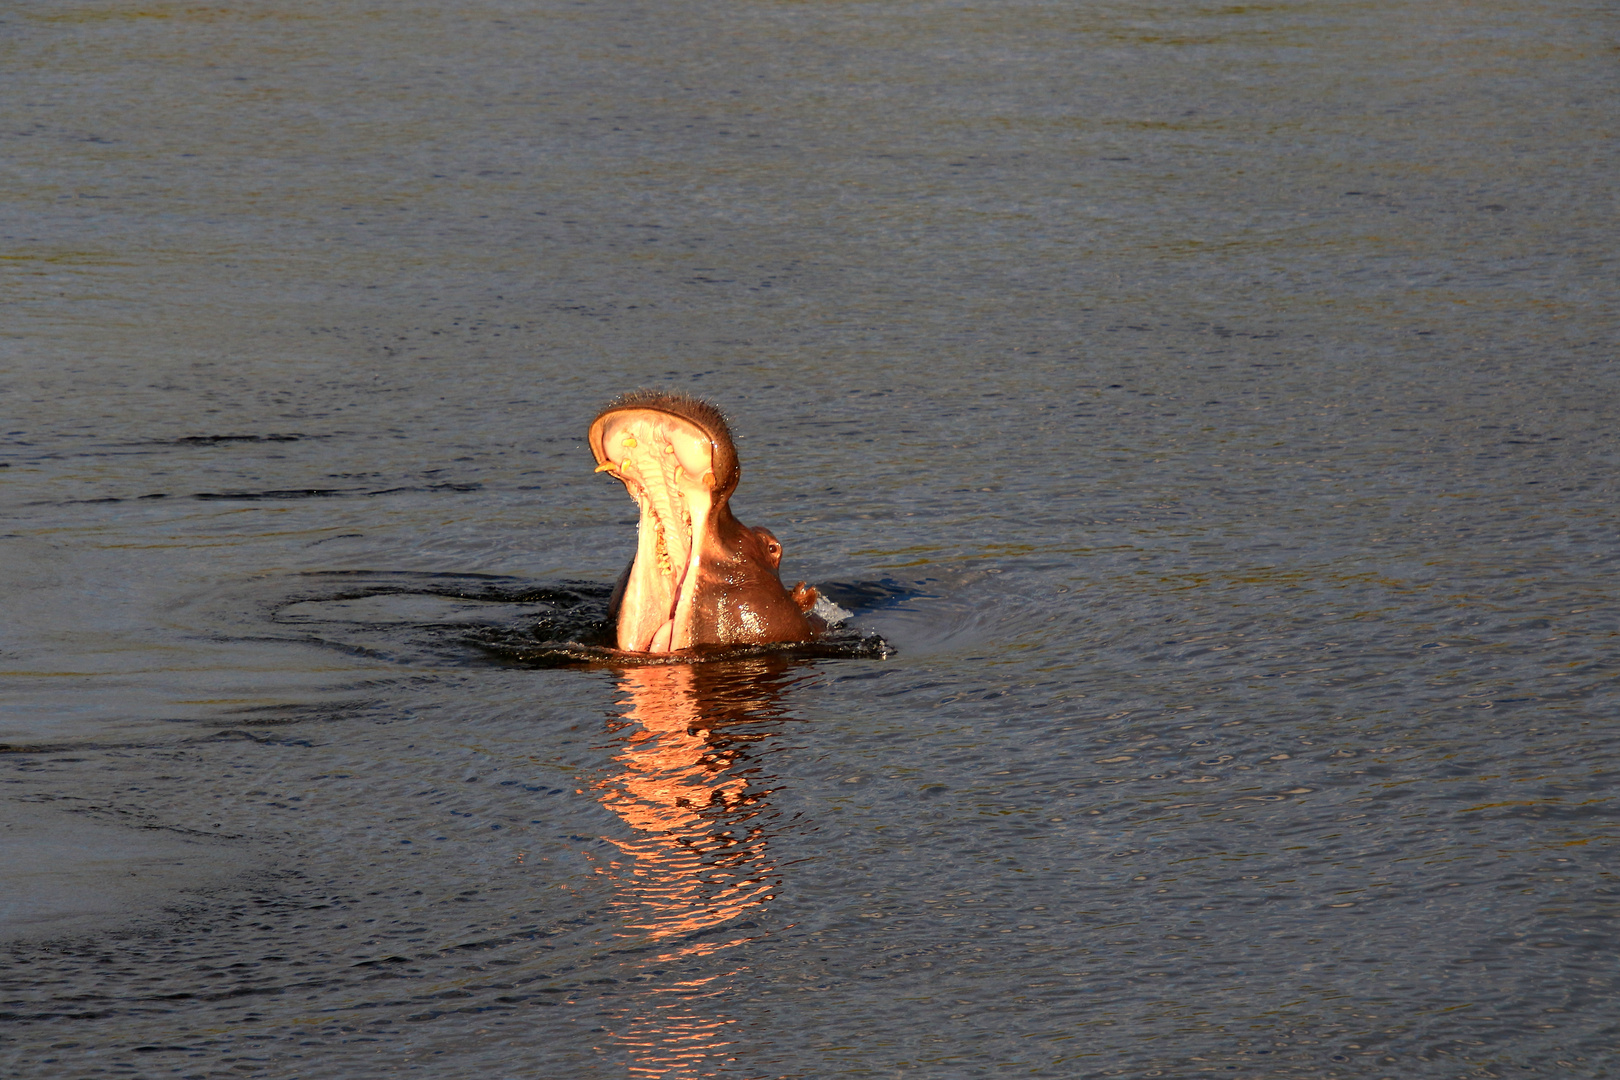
<point>700,576</point>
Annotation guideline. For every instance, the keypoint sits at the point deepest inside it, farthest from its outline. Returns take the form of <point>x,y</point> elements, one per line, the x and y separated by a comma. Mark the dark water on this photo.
<point>1210,408</point>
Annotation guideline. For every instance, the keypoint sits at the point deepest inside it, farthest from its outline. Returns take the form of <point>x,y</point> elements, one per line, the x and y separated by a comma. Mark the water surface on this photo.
<point>1210,406</point>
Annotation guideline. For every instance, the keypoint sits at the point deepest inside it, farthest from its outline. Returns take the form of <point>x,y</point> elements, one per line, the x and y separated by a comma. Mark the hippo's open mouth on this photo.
<point>700,576</point>
<point>667,465</point>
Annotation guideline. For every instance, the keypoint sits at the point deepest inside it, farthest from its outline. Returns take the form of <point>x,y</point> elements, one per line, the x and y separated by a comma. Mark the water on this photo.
<point>1211,407</point>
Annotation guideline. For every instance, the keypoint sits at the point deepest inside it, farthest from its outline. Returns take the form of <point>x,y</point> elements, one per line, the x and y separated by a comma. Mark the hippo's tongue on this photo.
<point>666,462</point>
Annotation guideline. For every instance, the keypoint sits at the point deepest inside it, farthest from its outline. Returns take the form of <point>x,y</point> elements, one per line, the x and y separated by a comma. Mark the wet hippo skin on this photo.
<point>700,576</point>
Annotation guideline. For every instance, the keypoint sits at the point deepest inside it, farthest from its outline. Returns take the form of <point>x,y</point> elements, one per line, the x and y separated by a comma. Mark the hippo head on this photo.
<point>700,576</point>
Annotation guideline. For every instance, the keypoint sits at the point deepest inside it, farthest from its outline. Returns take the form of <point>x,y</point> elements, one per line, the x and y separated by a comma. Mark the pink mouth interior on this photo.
<point>666,464</point>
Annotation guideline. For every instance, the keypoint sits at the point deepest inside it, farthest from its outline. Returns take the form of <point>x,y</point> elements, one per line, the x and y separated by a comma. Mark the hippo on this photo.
<point>700,577</point>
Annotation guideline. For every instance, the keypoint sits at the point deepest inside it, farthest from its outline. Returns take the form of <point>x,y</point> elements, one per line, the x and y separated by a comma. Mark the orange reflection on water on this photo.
<point>677,1037</point>
<point>697,857</point>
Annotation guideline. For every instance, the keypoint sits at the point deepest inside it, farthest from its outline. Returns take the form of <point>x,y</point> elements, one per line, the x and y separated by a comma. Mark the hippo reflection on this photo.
<point>692,872</point>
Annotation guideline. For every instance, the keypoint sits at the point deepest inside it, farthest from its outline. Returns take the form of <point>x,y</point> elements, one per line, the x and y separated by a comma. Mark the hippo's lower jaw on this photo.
<point>700,577</point>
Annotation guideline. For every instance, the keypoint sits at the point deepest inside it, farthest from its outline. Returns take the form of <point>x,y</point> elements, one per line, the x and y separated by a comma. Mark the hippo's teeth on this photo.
<point>606,466</point>
<point>629,442</point>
